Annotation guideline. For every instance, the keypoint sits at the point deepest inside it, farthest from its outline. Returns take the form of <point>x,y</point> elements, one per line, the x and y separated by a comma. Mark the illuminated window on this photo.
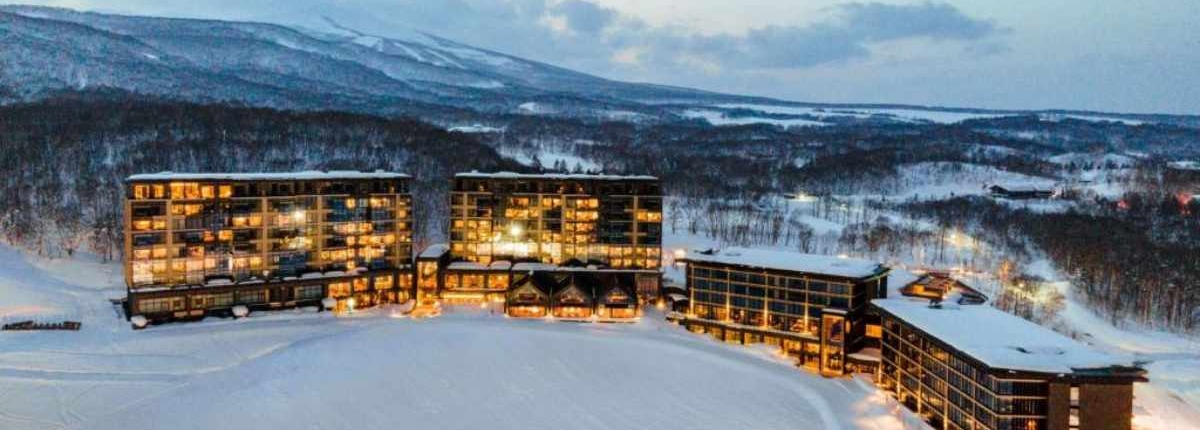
<point>383,282</point>
<point>339,289</point>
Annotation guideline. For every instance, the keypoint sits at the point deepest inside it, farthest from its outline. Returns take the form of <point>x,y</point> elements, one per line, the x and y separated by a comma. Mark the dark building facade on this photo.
<point>1020,193</point>
<point>201,244</point>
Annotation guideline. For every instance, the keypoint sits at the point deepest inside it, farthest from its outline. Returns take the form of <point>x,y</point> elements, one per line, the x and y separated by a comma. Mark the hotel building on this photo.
<point>813,307</point>
<point>200,244</point>
<point>973,367</point>
<point>610,224</point>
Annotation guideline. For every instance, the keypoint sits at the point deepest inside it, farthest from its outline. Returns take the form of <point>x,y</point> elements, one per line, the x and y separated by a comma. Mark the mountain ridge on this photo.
<point>339,67</point>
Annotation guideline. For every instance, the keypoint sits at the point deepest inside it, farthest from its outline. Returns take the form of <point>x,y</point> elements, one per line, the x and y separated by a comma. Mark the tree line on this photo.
<point>1136,258</point>
<point>65,159</point>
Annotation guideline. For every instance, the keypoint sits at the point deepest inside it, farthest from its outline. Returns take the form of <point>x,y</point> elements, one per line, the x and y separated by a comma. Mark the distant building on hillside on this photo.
<point>972,367</point>
<point>1183,175</point>
<point>201,244</point>
<point>939,287</point>
<point>813,307</point>
<point>1020,192</point>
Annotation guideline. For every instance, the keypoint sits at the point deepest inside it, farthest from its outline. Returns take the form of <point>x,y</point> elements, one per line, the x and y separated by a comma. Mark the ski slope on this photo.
<point>468,369</point>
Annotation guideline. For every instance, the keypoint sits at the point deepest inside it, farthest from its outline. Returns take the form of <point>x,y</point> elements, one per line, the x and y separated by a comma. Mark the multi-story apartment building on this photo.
<point>198,244</point>
<point>600,221</point>
<point>973,367</point>
<point>813,307</point>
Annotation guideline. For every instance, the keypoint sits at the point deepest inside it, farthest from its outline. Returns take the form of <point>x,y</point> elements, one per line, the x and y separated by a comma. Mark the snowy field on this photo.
<point>468,369</point>
<point>718,118</point>
<point>550,158</point>
<point>932,115</point>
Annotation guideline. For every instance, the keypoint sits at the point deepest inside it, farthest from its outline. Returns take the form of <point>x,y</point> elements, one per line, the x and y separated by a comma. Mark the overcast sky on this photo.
<point>1108,55</point>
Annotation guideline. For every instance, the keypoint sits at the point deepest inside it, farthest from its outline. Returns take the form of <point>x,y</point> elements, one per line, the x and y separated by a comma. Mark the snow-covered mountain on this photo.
<point>320,63</point>
<point>48,49</point>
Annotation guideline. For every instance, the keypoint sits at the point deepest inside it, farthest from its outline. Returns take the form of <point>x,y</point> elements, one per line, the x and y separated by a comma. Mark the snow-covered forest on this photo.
<point>897,193</point>
<point>66,159</point>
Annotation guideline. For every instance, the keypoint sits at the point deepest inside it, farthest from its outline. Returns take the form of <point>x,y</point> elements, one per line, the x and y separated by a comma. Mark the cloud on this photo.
<point>584,17</point>
<point>846,34</point>
<point>877,21</point>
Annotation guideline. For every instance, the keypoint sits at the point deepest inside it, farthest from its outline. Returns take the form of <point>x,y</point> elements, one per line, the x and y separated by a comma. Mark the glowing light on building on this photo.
<point>803,197</point>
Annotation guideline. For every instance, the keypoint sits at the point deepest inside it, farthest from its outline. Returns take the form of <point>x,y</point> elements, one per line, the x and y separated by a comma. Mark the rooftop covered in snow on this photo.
<point>267,176</point>
<point>434,251</point>
<point>576,176</point>
<point>790,261</point>
<point>1000,340</point>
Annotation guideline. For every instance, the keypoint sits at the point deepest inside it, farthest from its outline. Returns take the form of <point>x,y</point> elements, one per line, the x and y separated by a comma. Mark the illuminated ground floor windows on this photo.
<point>193,302</point>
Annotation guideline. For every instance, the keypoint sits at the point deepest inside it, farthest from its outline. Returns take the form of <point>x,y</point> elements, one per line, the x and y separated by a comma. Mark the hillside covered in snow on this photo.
<point>319,63</point>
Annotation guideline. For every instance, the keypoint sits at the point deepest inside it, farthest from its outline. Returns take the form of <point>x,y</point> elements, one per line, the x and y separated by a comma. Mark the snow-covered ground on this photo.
<point>549,159</point>
<point>1172,398</point>
<point>718,118</point>
<point>937,180</point>
<point>914,115</point>
<point>476,128</point>
<point>1092,118</point>
<point>919,115</point>
<point>468,369</point>
<point>1098,161</point>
